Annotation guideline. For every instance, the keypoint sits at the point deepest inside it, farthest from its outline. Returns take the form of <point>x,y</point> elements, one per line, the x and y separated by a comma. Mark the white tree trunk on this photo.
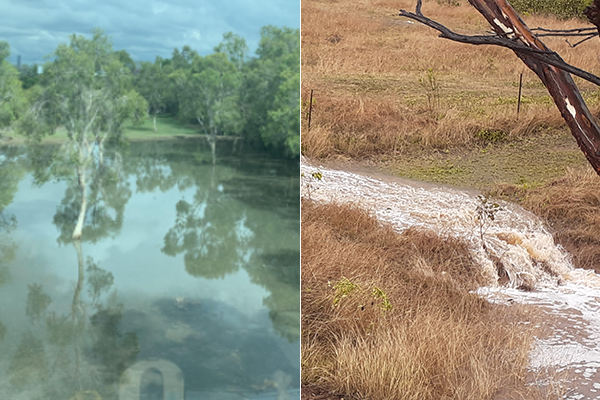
<point>77,310</point>
<point>76,306</point>
<point>155,124</point>
<point>82,186</point>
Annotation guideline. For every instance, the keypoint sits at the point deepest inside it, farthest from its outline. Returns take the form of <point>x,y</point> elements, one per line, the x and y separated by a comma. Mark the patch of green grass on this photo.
<point>166,126</point>
<point>491,135</point>
<point>528,162</point>
<point>542,100</point>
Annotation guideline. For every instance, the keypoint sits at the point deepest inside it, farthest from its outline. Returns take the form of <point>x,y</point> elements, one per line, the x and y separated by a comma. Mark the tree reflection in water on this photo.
<point>86,344</point>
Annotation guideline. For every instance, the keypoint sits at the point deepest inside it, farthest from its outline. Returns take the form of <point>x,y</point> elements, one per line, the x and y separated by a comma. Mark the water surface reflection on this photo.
<point>185,283</point>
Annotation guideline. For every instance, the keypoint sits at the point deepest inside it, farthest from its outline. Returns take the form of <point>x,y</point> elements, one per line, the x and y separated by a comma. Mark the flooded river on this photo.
<point>185,283</point>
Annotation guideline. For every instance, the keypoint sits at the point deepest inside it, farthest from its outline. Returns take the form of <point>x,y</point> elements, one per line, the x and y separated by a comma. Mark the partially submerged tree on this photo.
<point>211,96</point>
<point>87,92</point>
<point>510,31</point>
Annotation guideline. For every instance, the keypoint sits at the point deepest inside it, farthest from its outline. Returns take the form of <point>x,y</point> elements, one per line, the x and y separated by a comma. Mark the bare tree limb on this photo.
<point>581,41</point>
<point>512,43</point>
<point>513,33</point>
<point>565,32</point>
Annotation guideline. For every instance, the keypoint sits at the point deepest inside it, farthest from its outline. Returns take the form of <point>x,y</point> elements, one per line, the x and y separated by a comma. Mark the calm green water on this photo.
<point>185,283</point>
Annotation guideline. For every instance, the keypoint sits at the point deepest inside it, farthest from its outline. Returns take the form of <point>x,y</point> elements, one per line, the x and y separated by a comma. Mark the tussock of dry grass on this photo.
<point>360,126</point>
<point>571,205</point>
<point>388,316</point>
<point>369,69</point>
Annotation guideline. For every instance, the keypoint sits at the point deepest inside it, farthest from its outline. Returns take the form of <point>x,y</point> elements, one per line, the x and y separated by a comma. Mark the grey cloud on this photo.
<point>144,28</point>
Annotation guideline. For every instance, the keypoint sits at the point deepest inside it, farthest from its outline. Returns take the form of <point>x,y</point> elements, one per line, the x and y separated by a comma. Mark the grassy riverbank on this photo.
<point>392,95</point>
<point>388,316</point>
<point>167,128</point>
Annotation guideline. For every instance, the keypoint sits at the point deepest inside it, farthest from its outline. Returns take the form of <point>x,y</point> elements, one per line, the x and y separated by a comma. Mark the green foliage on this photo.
<point>12,100</point>
<point>234,46</point>
<point>380,294</point>
<point>153,84</point>
<point>99,280</point>
<point>108,194</point>
<point>271,91</point>
<point>225,93</point>
<point>86,90</point>
<point>4,51</point>
<point>206,238</point>
<point>126,60</point>
<point>28,75</point>
<point>343,288</point>
<point>429,81</point>
<point>559,8</point>
<point>490,135</point>
<point>112,351</point>
<point>28,364</point>
<point>283,123</point>
<point>210,93</point>
<point>486,213</point>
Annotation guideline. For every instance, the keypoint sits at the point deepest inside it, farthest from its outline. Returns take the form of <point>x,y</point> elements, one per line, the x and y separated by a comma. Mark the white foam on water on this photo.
<point>517,239</point>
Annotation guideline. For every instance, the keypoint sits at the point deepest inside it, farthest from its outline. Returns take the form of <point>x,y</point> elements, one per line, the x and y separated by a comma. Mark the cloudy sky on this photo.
<point>145,29</point>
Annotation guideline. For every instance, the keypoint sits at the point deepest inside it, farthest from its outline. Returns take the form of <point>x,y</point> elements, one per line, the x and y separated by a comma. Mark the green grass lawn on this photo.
<point>527,162</point>
<point>167,127</point>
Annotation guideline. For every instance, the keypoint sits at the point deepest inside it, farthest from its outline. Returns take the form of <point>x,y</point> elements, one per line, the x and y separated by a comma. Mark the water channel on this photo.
<point>539,271</point>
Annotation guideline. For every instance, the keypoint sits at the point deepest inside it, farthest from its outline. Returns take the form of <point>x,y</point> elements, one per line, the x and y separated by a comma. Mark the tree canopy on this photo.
<point>90,90</point>
<point>11,94</point>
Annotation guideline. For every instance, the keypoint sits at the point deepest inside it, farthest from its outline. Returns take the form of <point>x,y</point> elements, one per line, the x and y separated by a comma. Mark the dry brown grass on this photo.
<point>388,316</point>
<point>369,70</point>
<point>360,126</point>
<point>571,205</point>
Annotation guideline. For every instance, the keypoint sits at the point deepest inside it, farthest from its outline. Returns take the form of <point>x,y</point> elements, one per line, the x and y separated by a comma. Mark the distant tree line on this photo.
<point>88,88</point>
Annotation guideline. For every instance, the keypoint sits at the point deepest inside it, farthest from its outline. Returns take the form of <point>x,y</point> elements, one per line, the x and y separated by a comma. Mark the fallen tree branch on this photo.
<point>511,32</point>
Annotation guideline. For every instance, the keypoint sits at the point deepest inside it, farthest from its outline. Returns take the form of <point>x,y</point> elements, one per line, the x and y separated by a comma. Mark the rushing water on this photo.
<point>520,253</point>
<point>185,283</point>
